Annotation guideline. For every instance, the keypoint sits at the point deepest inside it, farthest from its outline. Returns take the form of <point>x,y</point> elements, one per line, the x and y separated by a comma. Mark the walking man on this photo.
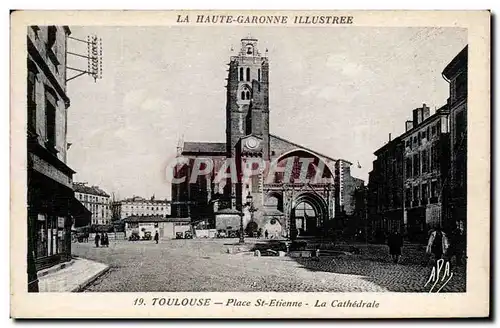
<point>457,246</point>
<point>156,237</point>
<point>266,234</point>
<point>438,244</point>
<point>395,242</point>
<point>97,238</point>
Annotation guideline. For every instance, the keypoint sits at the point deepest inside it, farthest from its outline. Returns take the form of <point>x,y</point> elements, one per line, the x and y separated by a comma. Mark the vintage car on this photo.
<point>221,234</point>
<point>134,236</point>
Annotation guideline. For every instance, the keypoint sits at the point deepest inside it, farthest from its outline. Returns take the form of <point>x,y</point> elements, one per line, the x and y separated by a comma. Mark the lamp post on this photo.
<point>251,209</point>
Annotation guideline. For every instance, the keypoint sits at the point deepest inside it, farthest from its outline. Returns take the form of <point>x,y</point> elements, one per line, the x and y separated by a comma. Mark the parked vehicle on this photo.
<point>134,236</point>
<point>221,234</point>
<point>179,235</point>
<point>188,235</point>
<point>147,235</point>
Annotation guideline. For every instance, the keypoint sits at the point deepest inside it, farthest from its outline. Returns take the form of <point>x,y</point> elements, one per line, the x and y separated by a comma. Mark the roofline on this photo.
<point>308,149</point>
<point>440,112</point>
<point>387,145</point>
<point>451,68</point>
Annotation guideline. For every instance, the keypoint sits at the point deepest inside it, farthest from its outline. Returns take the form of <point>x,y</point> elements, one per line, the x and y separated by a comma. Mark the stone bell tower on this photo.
<point>247,115</point>
<point>247,106</point>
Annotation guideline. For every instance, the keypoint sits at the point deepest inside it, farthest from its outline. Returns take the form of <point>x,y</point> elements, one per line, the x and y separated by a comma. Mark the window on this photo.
<point>31,101</point>
<point>415,196</point>
<point>51,36</point>
<point>415,142</point>
<point>50,235</point>
<point>133,225</point>
<point>434,191</point>
<point>416,165</point>
<point>241,74</point>
<point>407,197</point>
<point>50,121</point>
<point>425,161</point>
<point>433,130</point>
<point>408,167</point>
<point>425,193</point>
<point>248,73</point>
<point>258,74</point>
<point>460,128</point>
<point>427,133</point>
<point>461,86</point>
<point>408,144</point>
<point>248,95</point>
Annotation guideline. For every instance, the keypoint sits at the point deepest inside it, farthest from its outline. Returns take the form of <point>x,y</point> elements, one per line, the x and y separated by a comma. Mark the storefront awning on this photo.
<point>81,215</point>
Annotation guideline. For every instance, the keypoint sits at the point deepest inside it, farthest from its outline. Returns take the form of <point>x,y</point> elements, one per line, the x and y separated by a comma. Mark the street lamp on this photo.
<point>251,209</point>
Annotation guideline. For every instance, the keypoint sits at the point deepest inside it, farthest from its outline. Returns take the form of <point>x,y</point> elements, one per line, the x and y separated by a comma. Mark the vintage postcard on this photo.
<point>250,164</point>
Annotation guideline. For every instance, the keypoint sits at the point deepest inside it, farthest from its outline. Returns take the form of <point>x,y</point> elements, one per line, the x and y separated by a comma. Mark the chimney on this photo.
<point>415,117</point>
<point>420,115</point>
<point>409,125</point>
<point>426,112</point>
<point>389,137</point>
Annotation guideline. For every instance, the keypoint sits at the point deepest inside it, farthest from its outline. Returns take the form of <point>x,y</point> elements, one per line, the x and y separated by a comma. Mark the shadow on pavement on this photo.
<point>372,263</point>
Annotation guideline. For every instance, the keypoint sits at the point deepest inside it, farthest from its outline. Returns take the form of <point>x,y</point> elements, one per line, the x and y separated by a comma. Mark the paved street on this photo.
<point>204,265</point>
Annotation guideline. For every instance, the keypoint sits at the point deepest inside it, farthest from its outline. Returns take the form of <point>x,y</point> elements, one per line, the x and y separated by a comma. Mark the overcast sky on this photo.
<point>340,91</point>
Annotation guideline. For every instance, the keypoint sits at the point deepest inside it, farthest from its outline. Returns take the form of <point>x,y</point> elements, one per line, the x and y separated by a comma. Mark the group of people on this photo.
<point>259,233</point>
<point>440,245</point>
<point>101,238</point>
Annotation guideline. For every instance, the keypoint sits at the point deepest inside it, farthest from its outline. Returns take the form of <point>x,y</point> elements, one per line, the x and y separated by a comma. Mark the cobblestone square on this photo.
<point>204,265</point>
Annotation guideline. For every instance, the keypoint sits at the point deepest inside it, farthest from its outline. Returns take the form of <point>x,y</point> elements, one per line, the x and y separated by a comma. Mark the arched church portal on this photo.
<point>308,214</point>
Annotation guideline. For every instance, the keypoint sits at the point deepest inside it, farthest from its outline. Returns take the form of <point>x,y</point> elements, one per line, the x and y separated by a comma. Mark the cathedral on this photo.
<point>285,201</point>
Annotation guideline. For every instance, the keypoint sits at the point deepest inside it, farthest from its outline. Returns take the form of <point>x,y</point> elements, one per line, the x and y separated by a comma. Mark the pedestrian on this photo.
<point>266,234</point>
<point>97,237</point>
<point>156,237</point>
<point>457,246</point>
<point>395,242</point>
<point>106,240</point>
<point>259,233</point>
<point>437,244</point>
<point>103,239</point>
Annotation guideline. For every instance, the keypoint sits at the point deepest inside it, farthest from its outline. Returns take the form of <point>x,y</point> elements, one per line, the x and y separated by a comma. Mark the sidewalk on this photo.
<point>73,277</point>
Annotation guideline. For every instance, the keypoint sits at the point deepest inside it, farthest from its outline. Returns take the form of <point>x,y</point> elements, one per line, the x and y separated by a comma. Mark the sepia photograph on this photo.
<point>243,152</point>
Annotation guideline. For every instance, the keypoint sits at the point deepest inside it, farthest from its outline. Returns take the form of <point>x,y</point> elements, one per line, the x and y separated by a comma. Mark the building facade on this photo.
<point>426,158</point>
<point>456,75</point>
<point>166,227</point>
<point>139,206</point>
<point>50,193</point>
<point>386,189</point>
<point>289,201</point>
<point>429,167</point>
<point>96,200</point>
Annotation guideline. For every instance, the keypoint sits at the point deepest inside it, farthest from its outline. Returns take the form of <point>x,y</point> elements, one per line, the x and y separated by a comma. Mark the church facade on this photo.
<point>279,186</point>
